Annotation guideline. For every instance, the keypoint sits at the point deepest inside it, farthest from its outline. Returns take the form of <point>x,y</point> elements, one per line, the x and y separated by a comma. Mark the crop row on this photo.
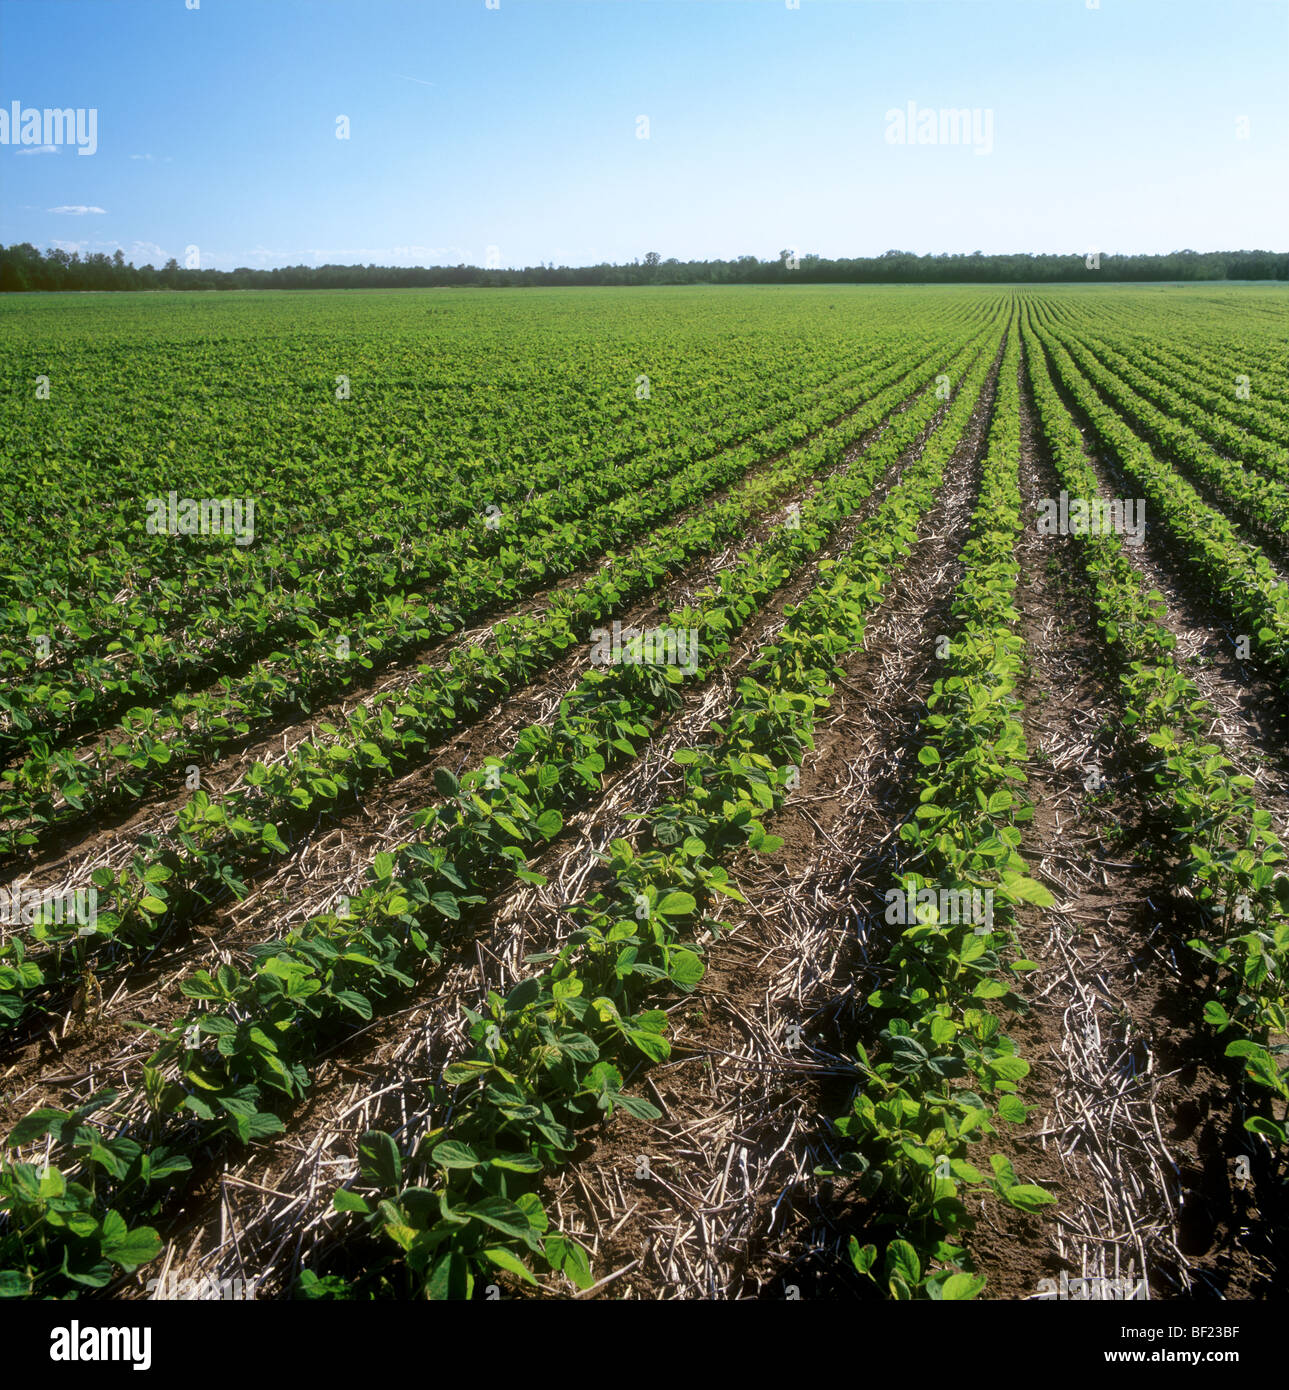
<point>216,1072</point>
<point>1239,572</point>
<point>1221,844</point>
<point>460,1203</point>
<point>1220,365</point>
<point>1263,499</point>
<point>943,1073</point>
<point>51,786</point>
<point>217,841</point>
<point>1255,430</point>
<point>283,598</point>
<point>357,570</point>
<point>344,529</point>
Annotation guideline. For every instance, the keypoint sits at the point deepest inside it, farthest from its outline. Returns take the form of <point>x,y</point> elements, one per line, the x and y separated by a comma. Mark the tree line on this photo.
<point>24,267</point>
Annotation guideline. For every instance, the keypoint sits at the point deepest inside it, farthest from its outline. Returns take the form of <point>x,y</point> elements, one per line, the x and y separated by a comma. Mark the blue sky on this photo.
<point>1113,128</point>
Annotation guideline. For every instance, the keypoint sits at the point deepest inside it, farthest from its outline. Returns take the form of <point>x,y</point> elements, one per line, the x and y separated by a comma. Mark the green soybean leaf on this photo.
<point>378,1159</point>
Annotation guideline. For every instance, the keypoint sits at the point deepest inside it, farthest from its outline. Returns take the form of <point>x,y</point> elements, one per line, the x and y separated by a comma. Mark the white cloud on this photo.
<point>384,255</point>
<point>86,246</point>
<point>76,210</point>
<point>419,80</point>
<point>39,149</point>
<point>140,156</point>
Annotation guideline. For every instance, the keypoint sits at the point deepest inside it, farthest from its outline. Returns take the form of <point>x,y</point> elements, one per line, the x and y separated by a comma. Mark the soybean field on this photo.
<point>661,793</point>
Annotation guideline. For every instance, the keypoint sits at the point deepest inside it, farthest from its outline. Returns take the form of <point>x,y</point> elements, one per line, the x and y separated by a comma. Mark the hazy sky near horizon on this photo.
<point>514,133</point>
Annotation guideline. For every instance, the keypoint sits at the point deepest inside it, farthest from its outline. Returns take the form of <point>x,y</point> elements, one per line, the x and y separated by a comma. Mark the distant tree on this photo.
<point>24,267</point>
